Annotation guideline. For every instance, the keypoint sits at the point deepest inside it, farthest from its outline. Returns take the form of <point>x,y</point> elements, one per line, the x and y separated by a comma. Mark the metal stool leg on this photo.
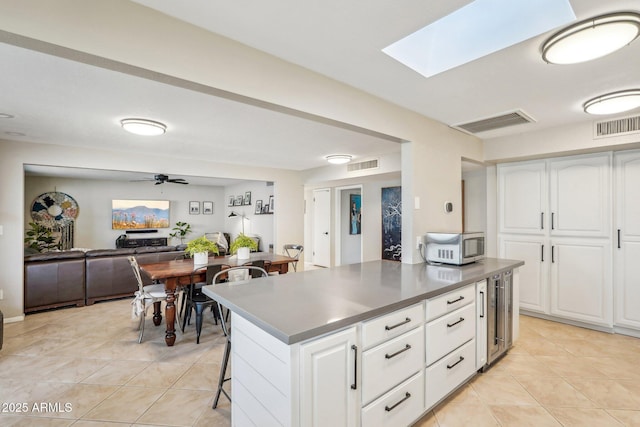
<point>223,371</point>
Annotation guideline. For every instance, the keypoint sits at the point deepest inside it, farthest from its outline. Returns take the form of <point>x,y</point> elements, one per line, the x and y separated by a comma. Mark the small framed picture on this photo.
<point>194,208</point>
<point>207,208</point>
<point>232,200</point>
<point>239,200</point>
<point>265,209</point>
<point>272,207</point>
<point>247,198</point>
<point>258,206</point>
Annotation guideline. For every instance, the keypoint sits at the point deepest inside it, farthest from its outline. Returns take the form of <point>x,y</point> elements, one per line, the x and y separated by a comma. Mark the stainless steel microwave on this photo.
<point>454,248</point>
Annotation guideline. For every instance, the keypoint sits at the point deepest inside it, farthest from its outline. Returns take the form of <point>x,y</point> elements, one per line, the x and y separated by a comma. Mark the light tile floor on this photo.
<point>84,367</point>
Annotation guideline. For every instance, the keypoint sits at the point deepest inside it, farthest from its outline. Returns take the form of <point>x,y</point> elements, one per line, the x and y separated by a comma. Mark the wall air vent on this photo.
<point>513,118</point>
<point>368,164</point>
<point>616,127</point>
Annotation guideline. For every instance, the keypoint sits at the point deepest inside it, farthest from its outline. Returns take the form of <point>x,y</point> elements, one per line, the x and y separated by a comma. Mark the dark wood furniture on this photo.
<point>178,273</point>
<point>138,243</point>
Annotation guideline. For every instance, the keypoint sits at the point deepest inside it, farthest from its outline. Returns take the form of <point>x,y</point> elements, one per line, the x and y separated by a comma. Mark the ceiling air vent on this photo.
<point>368,164</point>
<point>623,126</point>
<point>498,122</point>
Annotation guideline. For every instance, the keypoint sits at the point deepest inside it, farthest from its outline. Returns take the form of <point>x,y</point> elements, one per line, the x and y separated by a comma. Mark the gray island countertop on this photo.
<point>297,306</point>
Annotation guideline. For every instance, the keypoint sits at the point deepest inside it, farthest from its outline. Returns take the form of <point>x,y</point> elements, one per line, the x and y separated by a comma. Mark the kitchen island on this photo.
<point>355,344</point>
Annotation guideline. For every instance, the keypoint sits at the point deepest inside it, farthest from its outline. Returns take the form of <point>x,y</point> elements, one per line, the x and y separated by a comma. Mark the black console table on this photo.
<point>136,243</point>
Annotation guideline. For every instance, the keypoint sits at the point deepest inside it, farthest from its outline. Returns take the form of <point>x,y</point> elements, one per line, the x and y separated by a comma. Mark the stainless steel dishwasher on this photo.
<point>499,316</point>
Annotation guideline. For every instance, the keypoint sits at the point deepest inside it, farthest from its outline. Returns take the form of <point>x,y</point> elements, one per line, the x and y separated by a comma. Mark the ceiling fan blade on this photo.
<point>178,181</point>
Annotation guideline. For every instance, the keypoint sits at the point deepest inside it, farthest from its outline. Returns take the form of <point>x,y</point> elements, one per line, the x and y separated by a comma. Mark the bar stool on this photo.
<point>252,271</point>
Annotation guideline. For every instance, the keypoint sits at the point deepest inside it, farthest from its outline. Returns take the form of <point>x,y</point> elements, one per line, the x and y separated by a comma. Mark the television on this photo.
<point>139,214</point>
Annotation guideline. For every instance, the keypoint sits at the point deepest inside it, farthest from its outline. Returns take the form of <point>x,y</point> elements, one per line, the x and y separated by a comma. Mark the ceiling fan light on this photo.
<point>339,159</point>
<point>592,38</point>
<point>612,103</point>
<point>143,127</point>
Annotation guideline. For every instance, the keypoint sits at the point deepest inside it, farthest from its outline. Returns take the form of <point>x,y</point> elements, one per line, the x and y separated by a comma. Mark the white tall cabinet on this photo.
<point>556,216</point>
<point>627,245</point>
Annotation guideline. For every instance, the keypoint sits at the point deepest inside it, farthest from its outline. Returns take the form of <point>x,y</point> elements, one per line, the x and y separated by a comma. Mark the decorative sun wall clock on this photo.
<point>54,208</point>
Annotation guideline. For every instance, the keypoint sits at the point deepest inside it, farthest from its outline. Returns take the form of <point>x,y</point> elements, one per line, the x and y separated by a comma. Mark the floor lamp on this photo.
<point>242,216</point>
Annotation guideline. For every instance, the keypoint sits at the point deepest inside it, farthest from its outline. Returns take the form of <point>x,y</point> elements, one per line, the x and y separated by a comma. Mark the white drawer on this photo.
<point>450,301</point>
<point>400,407</point>
<point>450,332</point>
<point>391,325</point>
<point>447,374</point>
<point>388,364</point>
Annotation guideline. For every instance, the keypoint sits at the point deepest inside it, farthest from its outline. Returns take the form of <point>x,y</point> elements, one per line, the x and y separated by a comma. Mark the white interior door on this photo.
<point>321,227</point>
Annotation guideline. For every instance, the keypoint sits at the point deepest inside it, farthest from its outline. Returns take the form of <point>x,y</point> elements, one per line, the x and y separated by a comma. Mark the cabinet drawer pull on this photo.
<point>449,325</point>
<point>455,300</point>
<point>406,320</point>
<point>459,360</point>
<point>389,356</point>
<point>392,407</point>
<point>355,367</point>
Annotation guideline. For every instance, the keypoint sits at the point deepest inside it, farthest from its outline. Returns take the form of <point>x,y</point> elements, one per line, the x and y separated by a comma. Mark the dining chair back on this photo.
<point>144,296</point>
<point>196,300</point>
<point>293,251</point>
<point>250,269</point>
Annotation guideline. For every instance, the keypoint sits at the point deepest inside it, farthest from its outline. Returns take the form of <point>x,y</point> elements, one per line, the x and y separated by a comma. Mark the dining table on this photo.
<point>180,272</point>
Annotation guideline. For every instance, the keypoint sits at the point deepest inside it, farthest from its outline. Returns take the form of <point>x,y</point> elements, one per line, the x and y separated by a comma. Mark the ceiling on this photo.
<point>342,40</point>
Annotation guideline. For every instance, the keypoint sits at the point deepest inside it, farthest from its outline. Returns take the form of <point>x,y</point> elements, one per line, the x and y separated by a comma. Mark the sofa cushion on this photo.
<point>47,256</point>
<point>110,252</point>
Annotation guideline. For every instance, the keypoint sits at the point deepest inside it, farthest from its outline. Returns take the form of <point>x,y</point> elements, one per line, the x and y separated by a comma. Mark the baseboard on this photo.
<point>14,319</point>
<point>579,324</point>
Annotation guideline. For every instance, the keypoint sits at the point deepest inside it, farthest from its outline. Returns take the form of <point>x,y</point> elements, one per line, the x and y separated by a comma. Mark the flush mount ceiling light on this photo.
<point>339,159</point>
<point>592,38</point>
<point>611,103</point>
<point>143,127</point>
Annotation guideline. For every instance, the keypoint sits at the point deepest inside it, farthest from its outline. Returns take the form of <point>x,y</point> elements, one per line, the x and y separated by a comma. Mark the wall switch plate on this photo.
<point>1,230</point>
<point>1,293</point>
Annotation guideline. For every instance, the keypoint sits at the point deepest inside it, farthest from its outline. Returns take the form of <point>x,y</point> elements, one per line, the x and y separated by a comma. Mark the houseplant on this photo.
<point>242,245</point>
<point>180,231</point>
<point>40,238</point>
<point>199,249</point>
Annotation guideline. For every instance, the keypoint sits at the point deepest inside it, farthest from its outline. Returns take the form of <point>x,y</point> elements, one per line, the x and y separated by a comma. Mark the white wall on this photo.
<point>475,200</point>
<point>254,225</point>
<point>93,224</point>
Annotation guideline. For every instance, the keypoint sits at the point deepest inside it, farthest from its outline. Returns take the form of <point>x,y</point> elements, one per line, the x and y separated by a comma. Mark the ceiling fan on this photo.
<point>161,179</point>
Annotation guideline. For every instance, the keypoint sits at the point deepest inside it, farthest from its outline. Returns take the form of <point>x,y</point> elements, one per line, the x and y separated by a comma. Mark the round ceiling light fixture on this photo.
<point>592,38</point>
<point>339,159</point>
<point>612,103</point>
<point>143,127</point>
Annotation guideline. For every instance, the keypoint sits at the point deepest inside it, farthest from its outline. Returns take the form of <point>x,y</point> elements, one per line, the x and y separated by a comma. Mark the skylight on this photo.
<point>478,29</point>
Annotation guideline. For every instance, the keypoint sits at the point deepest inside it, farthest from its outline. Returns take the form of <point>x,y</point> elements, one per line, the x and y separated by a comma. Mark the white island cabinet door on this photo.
<point>522,197</point>
<point>627,249</point>
<point>328,382</point>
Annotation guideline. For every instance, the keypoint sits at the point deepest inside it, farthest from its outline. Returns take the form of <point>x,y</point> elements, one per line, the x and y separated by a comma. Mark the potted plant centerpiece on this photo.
<point>180,231</point>
<point>242,245</point>
<point>199,249</point>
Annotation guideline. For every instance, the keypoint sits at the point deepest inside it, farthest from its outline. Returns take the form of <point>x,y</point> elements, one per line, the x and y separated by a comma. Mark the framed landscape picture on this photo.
<point>194,208</point>
<point>207,208</point>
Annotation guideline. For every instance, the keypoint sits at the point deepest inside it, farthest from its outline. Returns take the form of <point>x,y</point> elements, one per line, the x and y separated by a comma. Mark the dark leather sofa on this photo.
<point>58,279</point>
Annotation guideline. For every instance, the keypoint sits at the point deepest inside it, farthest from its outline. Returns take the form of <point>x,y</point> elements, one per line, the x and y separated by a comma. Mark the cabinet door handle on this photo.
<point>553,259</point>
<point>542,254</point>
<point>552,226</point>
<point>455,300</point>
<point>355,367</point>
<point>459,360</point>
<point>449,325</point>
<point>389,356</point>
<point>482,303</point>
<point>390,408</point>
<point>405,321</point>
<point>618,238</point>
<point>541,220</point>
